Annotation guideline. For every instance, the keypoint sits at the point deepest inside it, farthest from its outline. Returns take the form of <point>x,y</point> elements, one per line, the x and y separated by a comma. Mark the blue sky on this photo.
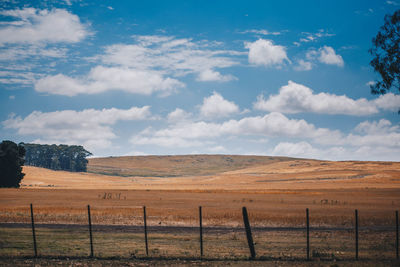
<point>288,78</point>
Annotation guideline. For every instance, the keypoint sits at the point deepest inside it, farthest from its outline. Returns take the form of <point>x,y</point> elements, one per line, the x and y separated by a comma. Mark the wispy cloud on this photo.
<point>260,32</point>
<point>313,37</point>
<point>152,64</point>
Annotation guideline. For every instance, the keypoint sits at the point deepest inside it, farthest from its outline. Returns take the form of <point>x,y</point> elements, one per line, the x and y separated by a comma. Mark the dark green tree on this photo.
<point>57,157</point>
<point>11,162</point>
<point>386,55</point>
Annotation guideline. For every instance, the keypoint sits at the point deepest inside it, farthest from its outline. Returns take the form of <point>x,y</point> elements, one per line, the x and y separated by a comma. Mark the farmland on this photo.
<point>276,191</point>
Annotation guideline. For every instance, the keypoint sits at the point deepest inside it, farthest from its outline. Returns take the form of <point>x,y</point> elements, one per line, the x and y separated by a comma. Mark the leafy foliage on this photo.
<point>57,157</point>
<point>386,55</point>
<point>11,162</point>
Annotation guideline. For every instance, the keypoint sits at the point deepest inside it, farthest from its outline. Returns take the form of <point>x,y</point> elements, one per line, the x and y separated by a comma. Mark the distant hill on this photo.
<point>173,166</point>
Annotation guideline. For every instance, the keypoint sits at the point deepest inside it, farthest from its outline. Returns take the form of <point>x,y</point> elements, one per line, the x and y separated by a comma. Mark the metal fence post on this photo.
<point>308,234</point>
<point>248,233</point>
<point>356,220</point>
<point>33,232</point>
<point>145,230</point>
<point>90,232</point>
<point>397,234</point>
<point>201,231</point>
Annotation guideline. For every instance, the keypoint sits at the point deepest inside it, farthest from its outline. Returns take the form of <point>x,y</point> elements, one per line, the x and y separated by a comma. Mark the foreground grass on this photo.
<point>74,261</point>
<point>228,244</point>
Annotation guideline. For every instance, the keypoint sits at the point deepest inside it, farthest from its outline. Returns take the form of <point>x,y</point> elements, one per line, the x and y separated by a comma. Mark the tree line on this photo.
<point>57,157</point>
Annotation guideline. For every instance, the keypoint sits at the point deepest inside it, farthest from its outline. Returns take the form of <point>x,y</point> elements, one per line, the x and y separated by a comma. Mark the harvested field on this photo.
<point>276,193</point>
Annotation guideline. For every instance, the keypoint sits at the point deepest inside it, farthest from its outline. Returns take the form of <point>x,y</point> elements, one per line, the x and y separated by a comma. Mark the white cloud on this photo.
<point>89,127</point>
<point>370,83</point>
<point>303,65</point>
<point>198,133</point>
<point>216,106</point>
<point>313,37</point>
<point>22,52</point>
<point>388,101</point>
<point>177,57</point>
<point>300,149</point>
<point>392,3</point>
<point>329,56</point>
<point>326,55</point>
<point>178,116</point>
<point>264,52</point>
<point>217,149</point>
<point>210,75</point>
<point>378,134</point>
<point>260,32</point>
<point>151,65</point>
<point>101,79</point>
<point>49,26</point>
<point>296,98</point>
<point>376,140</point>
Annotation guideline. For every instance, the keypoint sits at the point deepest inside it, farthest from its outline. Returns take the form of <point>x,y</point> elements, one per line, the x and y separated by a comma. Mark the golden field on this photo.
<point>276,191</point>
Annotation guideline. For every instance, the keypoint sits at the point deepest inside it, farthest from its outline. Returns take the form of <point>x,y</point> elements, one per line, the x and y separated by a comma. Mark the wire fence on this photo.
<point>304,242</point>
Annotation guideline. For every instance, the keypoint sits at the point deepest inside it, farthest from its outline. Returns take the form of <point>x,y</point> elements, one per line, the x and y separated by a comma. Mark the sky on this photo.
<point>278,78</point>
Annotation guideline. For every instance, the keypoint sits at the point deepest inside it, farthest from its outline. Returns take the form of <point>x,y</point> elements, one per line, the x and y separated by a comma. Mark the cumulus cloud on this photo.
<point>369,140</point>
<point>35,26</point>
<point>216,106</point>
<point>329,56</point>
<point>198,133</point>
<point>326,55</point>
<point>297,98</point>
<point>178,116</point>
<point>101,79</point>
<point>388,101</point>
<point>376,133</point>
<point>264,52</point>
<point>89,127</point>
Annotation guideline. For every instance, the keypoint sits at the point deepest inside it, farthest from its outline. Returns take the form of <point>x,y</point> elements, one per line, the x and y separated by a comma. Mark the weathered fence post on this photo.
<point>201,232</point>
<point>356,221</point>
<point>397,234</point>
<point>33,232</point>
<point>145,230</point>
<point>90,232</point>
<point>308,234</point>
<point>248,233</point>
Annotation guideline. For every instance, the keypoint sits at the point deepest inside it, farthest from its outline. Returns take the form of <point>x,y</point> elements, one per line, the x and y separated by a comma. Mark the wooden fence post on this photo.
<point>248,233</point>
<point>145,230</point>
<point>308,234</point>
<point>397,234</point>
<point>356,221</point>
<point>201,232</point>
<point>90,232</point>
<point>33,232</point>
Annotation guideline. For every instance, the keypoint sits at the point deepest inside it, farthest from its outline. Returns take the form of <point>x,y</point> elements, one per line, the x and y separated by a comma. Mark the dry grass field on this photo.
<point>276,192</point>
